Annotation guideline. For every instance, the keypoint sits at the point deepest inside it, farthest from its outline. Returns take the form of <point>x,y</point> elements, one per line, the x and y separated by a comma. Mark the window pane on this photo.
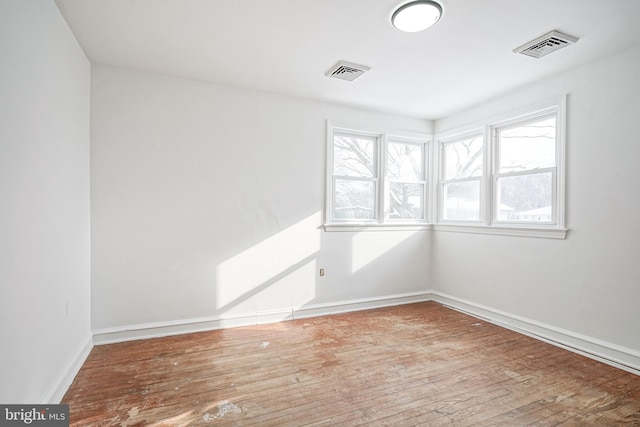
<point>525,198</point>
<point>354,199</point>
<point>463,159</point>
<point>353,156</point>
<point>405,162</point>
<point>407,201</point>
<point>462,201</point>
<point>528,147</point>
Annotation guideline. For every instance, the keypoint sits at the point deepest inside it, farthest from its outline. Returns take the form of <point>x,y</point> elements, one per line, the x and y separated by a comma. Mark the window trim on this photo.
<point>377,139</point>
<point>432,174</point>
<point>440,182</point>
<point>529,231</point>
<point>557,171</point>
<point>424,144</point>
<point>379,223</point>
<point>487,224</point>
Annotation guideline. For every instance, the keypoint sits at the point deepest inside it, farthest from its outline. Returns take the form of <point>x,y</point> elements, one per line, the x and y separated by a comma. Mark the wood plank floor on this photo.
<point>416,364</point>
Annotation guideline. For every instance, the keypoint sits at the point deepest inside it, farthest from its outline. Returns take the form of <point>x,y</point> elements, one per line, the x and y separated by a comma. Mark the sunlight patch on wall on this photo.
<point>268,263</point>
<point>293,289</point>
<point>368,246</point>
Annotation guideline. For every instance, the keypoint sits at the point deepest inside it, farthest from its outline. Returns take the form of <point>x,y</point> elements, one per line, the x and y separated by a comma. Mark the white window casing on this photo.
<point>545,222</point>
<point>341,214</point>
<point>416,187</point>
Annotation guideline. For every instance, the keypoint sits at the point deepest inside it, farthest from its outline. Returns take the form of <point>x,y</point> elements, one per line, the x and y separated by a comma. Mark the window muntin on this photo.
<point>405,189</point>
<point>525,177</point>
<point>461,181</point>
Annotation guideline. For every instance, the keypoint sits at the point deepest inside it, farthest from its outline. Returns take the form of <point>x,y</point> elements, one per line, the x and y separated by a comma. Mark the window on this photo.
<point>505,176</point>
<point>461,178</point>
<point>355,177</point>
<point>405,191</point>
<point>375,179</point>
<point>525,172</point>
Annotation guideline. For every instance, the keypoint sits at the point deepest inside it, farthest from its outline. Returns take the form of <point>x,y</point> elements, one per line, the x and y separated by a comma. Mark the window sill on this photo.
<point>538,232</point>
<point>377,227</point>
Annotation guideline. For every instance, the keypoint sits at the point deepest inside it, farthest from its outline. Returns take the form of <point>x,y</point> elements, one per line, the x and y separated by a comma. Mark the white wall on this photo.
<point>590,282</point>
<point>44,202</point>
<point>208,201</point>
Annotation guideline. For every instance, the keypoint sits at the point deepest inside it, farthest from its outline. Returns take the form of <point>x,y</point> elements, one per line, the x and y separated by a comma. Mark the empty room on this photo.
<point>340,213</point>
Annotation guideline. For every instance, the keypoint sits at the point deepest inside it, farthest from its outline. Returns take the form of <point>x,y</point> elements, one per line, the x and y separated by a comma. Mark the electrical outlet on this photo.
<point>322,272</point>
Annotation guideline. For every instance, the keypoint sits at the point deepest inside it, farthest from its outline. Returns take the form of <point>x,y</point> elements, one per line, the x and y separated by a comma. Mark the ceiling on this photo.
<point>287,46</point>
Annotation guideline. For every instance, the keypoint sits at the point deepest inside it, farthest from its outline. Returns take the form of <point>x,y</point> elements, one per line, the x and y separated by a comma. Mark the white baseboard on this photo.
<point>67,374</point>
<point>606,352</point>
<point>186,326</point>
<point>162,329</point>
<point>612,354</point>
<point>315,310</point>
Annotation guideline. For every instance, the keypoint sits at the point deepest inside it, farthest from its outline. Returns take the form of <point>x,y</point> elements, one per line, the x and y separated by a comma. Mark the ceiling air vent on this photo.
<point>546,44</point>
<point>347,71</point>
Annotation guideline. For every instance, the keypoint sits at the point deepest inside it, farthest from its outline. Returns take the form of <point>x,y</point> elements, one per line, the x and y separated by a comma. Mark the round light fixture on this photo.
<point>416,15</point>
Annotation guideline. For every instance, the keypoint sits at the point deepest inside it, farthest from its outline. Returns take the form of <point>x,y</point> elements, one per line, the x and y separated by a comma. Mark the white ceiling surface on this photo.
<point>286,46</point>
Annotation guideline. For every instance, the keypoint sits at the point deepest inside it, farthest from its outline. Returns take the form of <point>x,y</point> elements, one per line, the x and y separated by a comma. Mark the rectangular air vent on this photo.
<point>546,44</point>
<point>347,71</point>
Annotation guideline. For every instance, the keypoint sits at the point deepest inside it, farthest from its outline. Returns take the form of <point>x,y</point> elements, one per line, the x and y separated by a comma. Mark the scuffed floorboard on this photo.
<point>416,364</point>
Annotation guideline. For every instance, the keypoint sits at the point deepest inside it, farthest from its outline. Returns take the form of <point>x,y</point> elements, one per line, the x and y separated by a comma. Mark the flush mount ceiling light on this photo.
<point>416,15</point>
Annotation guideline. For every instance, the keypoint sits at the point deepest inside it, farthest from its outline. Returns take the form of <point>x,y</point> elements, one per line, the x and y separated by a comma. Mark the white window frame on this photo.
<point>375,179</point>
<point>487,224</point>
<point>442,181</point>
<point>423,181</point>
<point>380,222</point>
<point>496,174</point>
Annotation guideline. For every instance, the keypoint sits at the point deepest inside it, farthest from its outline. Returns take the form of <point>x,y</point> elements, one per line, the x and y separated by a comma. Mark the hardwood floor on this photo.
<point>417,364</point>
